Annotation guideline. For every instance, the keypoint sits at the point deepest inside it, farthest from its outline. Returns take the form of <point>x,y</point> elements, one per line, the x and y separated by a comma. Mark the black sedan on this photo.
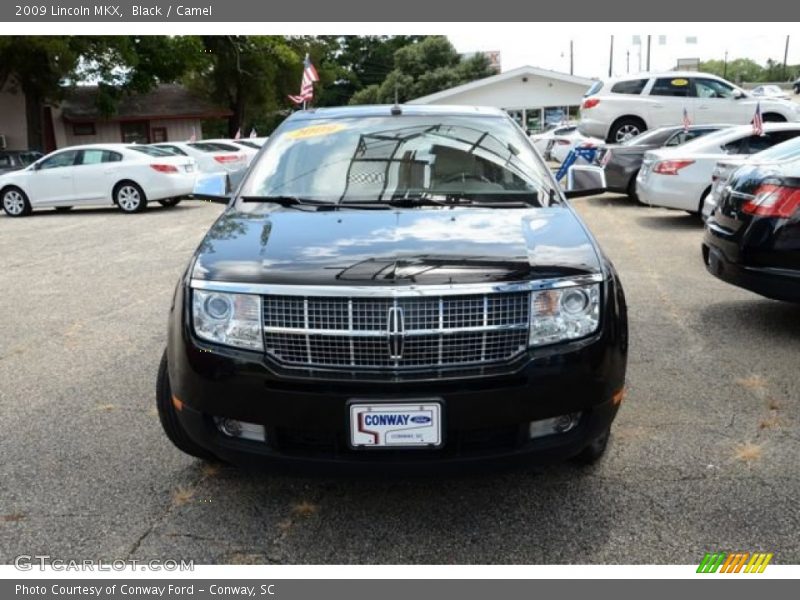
<point>752,238</point>
<point>621,162</point>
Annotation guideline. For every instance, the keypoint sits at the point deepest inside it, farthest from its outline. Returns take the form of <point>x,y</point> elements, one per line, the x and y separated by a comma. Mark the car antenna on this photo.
<point>396,110</point>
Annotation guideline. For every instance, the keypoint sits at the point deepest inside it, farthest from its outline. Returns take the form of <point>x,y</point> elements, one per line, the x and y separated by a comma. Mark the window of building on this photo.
<point>135,132</point>
<point>83,129</point>
<point>158,135</point>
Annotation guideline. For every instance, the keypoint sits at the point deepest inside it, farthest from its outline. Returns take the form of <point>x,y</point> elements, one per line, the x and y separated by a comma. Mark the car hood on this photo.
<point>384,247</point>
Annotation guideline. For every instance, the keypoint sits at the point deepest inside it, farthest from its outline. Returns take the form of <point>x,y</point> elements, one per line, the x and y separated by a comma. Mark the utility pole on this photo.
<point>648,52</point>
<point>785,56</point>
<point>725,67</point>
<point>571,57</point>
<point>627,61</point>
<point>611,57</point>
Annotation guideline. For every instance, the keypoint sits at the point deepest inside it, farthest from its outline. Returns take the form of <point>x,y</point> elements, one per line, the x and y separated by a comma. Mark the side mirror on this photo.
<point>585,180</point>
<point>217,187</point>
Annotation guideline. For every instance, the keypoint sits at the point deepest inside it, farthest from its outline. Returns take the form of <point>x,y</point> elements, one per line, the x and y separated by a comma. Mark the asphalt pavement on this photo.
<point>703,455</point>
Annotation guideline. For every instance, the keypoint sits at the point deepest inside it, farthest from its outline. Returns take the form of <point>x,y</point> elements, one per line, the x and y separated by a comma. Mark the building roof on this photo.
<point>487,81</point>
<point>166,101</point>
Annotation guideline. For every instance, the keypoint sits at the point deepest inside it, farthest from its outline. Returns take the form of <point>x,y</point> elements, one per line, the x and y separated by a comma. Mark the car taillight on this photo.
<point>590,103</point>
<point>773,200</point>
<point>671,167</point>
<point>226,158</point>
<point>165,168</point>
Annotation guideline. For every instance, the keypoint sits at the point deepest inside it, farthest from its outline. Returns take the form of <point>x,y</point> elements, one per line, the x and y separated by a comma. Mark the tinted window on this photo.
<point>5,161</point>
<point>756,143</point>
<point>682,137</point>
<point>214,147</point>
<point>671,86</point>
<point>27,158</point>
<point>249,145</point>
<point>151,150</point>
<point>173,150</point>
<point>62,159</point>
<point>634,86</point>
<point>711,88</point>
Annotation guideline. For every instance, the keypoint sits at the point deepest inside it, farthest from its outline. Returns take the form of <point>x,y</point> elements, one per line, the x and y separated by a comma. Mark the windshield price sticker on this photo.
<point>315,131</point>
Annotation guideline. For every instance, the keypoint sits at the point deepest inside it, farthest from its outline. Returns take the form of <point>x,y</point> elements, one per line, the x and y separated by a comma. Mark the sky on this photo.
<point>548,46</point>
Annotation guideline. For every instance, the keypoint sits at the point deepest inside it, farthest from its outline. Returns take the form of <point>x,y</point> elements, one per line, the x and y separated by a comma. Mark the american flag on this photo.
<point>310,75</point>
<point>253,133</point>
<point>687,122</point>
<point>758,122</point>
<point>238,135</point>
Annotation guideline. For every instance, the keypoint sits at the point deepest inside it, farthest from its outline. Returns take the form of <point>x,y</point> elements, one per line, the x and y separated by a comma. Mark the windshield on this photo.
<point>782,151</point>
<point>372,159</point>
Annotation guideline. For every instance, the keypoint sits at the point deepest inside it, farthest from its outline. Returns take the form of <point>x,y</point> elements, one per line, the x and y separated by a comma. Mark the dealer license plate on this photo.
<point>406,425</point>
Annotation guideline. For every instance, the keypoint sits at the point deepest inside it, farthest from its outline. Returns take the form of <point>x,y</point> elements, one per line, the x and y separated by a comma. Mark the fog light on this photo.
<point>561,424</point>
<point>241,429</point>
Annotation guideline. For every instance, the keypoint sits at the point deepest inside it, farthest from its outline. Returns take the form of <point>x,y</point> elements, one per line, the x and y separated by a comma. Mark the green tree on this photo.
<point>423,68</point>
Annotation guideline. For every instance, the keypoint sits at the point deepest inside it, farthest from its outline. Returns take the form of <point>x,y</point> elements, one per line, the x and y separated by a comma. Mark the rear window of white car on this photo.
<point>596,87</point>
<point>213,147</point>
<point>632,86</point>
<point>150,150</point>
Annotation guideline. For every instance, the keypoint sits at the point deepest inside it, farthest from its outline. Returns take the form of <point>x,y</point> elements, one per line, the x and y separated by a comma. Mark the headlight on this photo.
<point>564,314</point>
<point>230,319</point>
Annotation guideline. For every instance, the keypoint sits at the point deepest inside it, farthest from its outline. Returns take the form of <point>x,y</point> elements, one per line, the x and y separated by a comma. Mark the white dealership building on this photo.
<point>533,97</point>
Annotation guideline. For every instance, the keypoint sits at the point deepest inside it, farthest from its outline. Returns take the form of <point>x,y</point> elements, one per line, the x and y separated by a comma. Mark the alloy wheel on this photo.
<point>627,132</point>
<point>13,202</point>
<point>128,198</point>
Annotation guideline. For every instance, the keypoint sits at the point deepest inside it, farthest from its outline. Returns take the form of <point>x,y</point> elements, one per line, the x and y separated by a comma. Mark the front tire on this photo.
<point>169,418</point>
<point>15,202</point>
<point>169,202</point>
<point>129,197</point>
<point>624,129</point>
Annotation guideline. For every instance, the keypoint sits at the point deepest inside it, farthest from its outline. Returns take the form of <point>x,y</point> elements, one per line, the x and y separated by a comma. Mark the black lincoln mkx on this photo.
<point>395,285</point>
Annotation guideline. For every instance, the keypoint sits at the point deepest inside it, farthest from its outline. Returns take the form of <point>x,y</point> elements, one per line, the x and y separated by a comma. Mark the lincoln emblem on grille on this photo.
<point>396,329</point>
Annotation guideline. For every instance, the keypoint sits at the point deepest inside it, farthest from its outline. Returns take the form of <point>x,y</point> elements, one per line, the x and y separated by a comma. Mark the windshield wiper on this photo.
<point>286,200</point>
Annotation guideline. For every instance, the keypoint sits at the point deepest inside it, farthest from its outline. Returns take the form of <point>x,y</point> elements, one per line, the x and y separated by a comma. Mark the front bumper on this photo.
<point>486,412</point>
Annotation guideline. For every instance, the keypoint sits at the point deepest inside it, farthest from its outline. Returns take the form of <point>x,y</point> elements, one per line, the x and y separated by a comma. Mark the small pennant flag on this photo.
<point>687,122</point>
<point>193,137</point>
<point>238,135</point>
<point>253,133</point>
<point>758,122</point>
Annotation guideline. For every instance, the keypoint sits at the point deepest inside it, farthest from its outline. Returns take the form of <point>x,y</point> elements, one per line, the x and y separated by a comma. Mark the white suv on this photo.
<point>619,109</point>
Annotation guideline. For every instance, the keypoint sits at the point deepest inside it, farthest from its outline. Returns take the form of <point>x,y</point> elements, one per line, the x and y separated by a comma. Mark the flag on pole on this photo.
<point>238,135</point>
<point>687,122</point>
<point>193,137</point>
<point>758,122</point>
<point>310,76</point>
<point>253,133</point>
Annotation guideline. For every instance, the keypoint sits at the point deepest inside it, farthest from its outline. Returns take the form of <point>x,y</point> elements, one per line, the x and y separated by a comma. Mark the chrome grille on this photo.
<point>358,332</point>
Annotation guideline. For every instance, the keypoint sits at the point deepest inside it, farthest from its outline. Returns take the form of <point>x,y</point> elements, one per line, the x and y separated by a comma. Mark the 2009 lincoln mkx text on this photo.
<point>403,285</point>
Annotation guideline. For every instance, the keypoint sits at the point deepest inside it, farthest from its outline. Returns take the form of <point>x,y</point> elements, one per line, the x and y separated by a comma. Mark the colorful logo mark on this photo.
<point>734,562</point>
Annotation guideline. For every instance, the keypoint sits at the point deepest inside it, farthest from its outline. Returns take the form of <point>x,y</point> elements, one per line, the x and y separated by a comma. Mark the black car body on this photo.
<point>752,238</point>
<point>621,162</point>
<point>352,307</point>
<point>13,160</point>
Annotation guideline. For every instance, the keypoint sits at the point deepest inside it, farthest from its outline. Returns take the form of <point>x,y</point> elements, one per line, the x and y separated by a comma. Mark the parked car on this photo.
<point>249,150</point>
<point>796,86</point>
<point>211,157</point>
<point>401,285</point>
<point>544,140</point>
<point>561,148</point>
<point>128,176</point>
<point>752,240</point>
<point>769,91</point>
<point>621,162</point>
<point>13,160</point>
<point>724,168</point>
<point>619,109</point>
<point>680,177</point>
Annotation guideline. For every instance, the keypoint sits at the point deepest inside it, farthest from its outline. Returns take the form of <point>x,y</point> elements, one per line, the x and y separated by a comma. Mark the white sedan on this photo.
<point>211,157</point>
<point>124,175</point>
<point>556,143</point>
<point>680,177</point>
